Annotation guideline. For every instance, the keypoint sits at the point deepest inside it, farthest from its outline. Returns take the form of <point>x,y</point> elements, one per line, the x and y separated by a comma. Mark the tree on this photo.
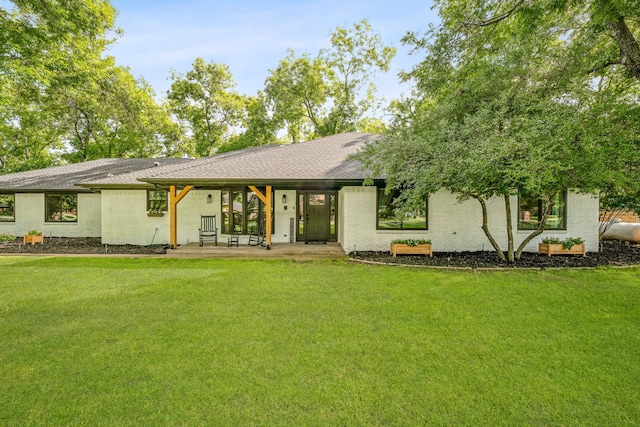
<point>298,91</point>
<point>205,103</point>
<point>113,115</point>
<point>44,46</point>
<point>506,103</point>
<point>258,126</point>
<point>332,92</point>
<point>62,98</point>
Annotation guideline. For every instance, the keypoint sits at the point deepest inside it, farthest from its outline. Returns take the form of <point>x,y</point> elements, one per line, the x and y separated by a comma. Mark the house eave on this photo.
<point>278,183</point>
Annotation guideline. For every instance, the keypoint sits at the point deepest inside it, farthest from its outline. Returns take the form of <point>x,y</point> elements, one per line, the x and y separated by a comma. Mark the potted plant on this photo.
<point>33,237</point>
<point>556,246</point>
<point>411,247</point>
<point>6,238</point>
<point>155,210</point>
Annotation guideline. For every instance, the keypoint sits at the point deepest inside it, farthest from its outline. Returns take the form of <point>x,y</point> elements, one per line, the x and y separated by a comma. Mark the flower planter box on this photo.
<point>404,249</point>
<point>157,215</point>
<point>557,249</point>
<point>33,239</point>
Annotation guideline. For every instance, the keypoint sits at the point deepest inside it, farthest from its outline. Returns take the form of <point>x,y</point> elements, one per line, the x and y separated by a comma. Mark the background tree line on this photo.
<point>63,99</point>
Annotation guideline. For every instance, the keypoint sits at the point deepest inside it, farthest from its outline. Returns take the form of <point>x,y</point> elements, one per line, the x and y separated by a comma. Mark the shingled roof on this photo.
<point>65,178</point>
<point>321,160</point>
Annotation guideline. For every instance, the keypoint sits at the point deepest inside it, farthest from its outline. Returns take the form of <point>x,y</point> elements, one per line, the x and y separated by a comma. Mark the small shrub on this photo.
<point>34,233</point>
<point>7,237</point>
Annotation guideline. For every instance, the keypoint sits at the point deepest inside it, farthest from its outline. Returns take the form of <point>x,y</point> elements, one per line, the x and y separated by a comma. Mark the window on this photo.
<point>243,211</point>
<point>7,207</point>
<point>531,209</point>
<point>156,200</point>
<point>389,218</point>
<point>61,207</point>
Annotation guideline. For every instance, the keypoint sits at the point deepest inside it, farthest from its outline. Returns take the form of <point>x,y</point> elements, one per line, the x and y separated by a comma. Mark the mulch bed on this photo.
<point>73,245</point>
<point>612,253</point>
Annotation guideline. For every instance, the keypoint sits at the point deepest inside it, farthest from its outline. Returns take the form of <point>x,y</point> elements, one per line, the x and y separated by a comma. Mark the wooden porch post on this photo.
<point>266,199</point>
<point>174,199</point>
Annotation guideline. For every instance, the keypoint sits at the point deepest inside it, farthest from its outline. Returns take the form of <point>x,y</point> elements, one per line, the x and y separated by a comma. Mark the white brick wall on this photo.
<point>125,217</point>
<point>120,217</point>
<point>456,226</point>
<point>30,215</point>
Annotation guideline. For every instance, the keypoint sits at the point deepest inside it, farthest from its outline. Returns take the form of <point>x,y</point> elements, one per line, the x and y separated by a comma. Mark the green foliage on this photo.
<point>7,237</point>
<point>508,99</point>
<point>34,233</point>
<point>206,104</point>
<point>331,93</point>
<point>62,98</point>
<point>567,243</point>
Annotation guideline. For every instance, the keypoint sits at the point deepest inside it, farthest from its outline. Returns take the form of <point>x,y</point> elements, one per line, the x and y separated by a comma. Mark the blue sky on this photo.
<point>252,36</point>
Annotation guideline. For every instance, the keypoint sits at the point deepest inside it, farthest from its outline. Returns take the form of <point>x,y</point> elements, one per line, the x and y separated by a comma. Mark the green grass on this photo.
<point>96,341</point>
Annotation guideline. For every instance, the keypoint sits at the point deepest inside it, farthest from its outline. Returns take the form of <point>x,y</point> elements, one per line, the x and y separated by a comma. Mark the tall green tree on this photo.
<point>508,101</point>
<point>114,115</point>
<point>205,102</point>
<point>44,46</point>
<point>61,97</point>
<point>332,92</point>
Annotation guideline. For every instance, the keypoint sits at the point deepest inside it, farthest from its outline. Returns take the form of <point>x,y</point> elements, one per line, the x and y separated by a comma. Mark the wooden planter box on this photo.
<point>558,249</point>
<point>28,238</point>
<point>155,215</point>
<point>404,249</point>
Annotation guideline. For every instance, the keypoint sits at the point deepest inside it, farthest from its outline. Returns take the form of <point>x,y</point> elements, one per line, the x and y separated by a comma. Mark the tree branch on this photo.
<point>495,19</point>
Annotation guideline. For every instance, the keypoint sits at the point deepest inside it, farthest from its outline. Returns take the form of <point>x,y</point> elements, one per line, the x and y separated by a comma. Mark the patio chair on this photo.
<point>256,236</point>
<point>208,229</point>
<point>234,239</point>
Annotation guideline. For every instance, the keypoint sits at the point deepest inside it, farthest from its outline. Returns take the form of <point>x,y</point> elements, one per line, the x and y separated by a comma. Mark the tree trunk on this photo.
<point>539,230</point>
<point>507,207</point>
<point>629,48</point>
<point>485,228</point>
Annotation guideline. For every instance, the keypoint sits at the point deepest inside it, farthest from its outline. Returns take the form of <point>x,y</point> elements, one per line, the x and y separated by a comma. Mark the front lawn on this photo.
<point>86,341</point>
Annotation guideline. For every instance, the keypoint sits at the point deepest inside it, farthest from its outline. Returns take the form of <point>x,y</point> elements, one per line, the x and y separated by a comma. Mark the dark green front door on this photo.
<point>317,216</point>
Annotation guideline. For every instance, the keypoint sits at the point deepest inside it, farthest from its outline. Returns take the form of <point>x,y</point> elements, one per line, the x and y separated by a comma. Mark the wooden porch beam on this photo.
<point>174,199</point>
<point>266,199</point>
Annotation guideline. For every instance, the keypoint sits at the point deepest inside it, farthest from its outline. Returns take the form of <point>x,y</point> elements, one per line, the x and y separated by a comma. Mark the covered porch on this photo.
<point>294,251</point>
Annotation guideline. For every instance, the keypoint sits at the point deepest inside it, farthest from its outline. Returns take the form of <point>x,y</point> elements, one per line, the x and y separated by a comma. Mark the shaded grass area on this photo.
<point>169,341</point>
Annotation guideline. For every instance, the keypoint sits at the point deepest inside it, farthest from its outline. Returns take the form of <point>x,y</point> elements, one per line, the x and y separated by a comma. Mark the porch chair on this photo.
<point>208,229</point>
<point>234,239</point>
<point>256,235</point>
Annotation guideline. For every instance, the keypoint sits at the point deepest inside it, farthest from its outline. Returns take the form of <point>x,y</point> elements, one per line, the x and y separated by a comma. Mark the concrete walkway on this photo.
<point>297,251</point>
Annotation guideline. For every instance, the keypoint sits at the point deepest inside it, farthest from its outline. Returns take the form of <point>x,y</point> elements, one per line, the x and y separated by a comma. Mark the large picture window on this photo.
<point>243,211</point>
<point>531,209</point>
<point>61,207</point>
<point>7,207</point>
<point>390,218</point>
<point>156,201</point>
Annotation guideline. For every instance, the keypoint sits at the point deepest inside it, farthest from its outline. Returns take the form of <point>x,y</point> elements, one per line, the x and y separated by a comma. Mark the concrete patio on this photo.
<point>296,251</point>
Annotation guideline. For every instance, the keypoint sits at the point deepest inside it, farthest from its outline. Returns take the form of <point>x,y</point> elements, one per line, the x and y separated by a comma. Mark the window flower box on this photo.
<point>155,214</point>
<point>570,246</point>
<point>411,247</point>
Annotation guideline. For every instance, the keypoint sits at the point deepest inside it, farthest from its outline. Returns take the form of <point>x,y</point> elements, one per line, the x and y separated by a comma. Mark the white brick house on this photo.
<point>317,194</point>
